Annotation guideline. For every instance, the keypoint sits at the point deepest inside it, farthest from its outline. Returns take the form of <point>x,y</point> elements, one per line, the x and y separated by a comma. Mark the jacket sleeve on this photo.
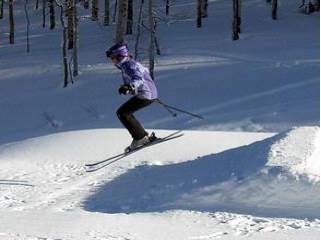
<point>136,77</point>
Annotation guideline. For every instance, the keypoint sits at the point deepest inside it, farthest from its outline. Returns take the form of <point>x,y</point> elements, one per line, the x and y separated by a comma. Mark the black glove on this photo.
<point>125,89</point>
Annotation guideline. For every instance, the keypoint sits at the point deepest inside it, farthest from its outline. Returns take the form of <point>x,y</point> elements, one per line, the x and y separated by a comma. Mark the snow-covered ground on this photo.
<point>250,170</point>
<point>213,184</point>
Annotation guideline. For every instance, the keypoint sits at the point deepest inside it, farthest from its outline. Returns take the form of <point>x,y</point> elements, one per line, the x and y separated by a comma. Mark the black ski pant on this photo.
<point>125,115</point>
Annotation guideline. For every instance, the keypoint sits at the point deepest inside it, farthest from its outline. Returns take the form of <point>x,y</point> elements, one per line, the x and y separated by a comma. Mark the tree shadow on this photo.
<point>236,180</point>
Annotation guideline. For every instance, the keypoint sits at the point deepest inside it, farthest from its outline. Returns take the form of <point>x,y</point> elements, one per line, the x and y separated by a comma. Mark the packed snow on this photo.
<point>250,170</point>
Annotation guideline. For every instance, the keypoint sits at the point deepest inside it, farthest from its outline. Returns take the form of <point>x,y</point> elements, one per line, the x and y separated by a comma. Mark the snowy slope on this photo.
<point>250,170</point>
<point>221,184</point>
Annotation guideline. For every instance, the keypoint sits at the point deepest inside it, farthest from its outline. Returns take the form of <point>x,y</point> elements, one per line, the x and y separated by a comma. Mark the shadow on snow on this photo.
<point>236,180</point>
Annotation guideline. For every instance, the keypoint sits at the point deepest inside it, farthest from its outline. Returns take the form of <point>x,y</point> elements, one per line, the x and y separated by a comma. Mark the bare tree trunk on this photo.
<point>94,10</point>
<point>115,11</point>
<point>235,20</point>
<point>152,39</point>
<point>44,13</point>
<point>205,7</point>
<point>1,9</point>
<point>199,13</point>
<point>167,7</point>
<point>139,28</point>
<point>11,22</point>
<point>52,14</point>
<point>75,40</point>
<point>106,18</point>
<point>158,51</point>
<point>122,18</point>
<point>129,28</point>
<point>70,12</point>
<point>64,46</point>
<point>239,4</point>
<point>86,4</point>
<point>28,25</point>
<point>274,9</point>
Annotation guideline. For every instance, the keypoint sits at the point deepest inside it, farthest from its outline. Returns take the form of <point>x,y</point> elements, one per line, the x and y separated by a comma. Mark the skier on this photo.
<point>137,82</point>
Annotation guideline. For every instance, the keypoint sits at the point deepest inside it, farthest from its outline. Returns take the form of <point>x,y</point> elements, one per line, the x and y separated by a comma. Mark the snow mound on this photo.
<point>259,179</point>
<point>298,152</point>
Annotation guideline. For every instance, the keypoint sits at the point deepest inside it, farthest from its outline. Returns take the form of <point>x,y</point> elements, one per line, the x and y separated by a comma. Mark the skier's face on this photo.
<point>114,59</point>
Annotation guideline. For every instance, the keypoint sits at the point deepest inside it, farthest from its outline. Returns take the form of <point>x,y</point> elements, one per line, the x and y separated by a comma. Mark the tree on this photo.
<point>122,19</point>
<point>52,20</point>
<point>115,11</point>
<point>86,4</point>
<point>205,8</point>
<point>11,22</point>
<point>129,28</point>
<point>64,45</point>
<point>94,10</point>
<point>167,7</point>
<point>106,17</point>
<point>44,13</point>
<point>199,13</point>
<point>70,13</point>
<point>1,9</point>
<point>236,19</point>
<point>139,28</point>
<point>152,38</point>
<point>28,25</point>
<point>75,39</point>
<point>274,9</point>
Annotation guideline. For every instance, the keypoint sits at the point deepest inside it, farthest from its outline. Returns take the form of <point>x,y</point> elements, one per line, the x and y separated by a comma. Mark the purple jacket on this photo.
<point>138,77</point>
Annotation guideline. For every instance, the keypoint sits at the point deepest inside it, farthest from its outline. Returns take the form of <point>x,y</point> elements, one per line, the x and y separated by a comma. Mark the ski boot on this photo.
<point>141,142</point>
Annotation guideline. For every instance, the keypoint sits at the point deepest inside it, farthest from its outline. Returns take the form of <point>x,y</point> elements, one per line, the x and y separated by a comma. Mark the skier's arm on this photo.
<point>136,78</point>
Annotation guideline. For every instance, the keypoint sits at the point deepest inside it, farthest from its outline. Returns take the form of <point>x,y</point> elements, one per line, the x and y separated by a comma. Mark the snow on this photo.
<point>250,170</point>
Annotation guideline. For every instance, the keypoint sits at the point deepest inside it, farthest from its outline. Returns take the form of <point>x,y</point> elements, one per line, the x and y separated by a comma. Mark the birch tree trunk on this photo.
<point>11,22</point>
<point>122,19</point>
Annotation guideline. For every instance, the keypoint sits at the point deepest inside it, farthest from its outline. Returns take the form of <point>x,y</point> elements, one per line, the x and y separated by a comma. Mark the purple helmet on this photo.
<point>119,49</point>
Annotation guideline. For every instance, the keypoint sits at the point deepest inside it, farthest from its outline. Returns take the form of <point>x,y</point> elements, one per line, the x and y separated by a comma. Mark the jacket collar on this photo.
<point>121,62</point>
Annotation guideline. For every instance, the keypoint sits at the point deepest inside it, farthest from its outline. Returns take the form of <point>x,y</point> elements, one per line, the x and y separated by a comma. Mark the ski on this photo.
<point>91,167</point>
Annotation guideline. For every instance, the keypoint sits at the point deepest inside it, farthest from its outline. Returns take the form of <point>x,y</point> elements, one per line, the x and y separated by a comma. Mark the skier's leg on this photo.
<point>125,115</point>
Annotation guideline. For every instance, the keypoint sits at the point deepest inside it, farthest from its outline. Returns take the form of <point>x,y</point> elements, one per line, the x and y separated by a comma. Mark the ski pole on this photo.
<point>170,108</point>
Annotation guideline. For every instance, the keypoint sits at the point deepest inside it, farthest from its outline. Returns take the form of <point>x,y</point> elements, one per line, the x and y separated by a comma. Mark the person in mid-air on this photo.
<point>138,83</point>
